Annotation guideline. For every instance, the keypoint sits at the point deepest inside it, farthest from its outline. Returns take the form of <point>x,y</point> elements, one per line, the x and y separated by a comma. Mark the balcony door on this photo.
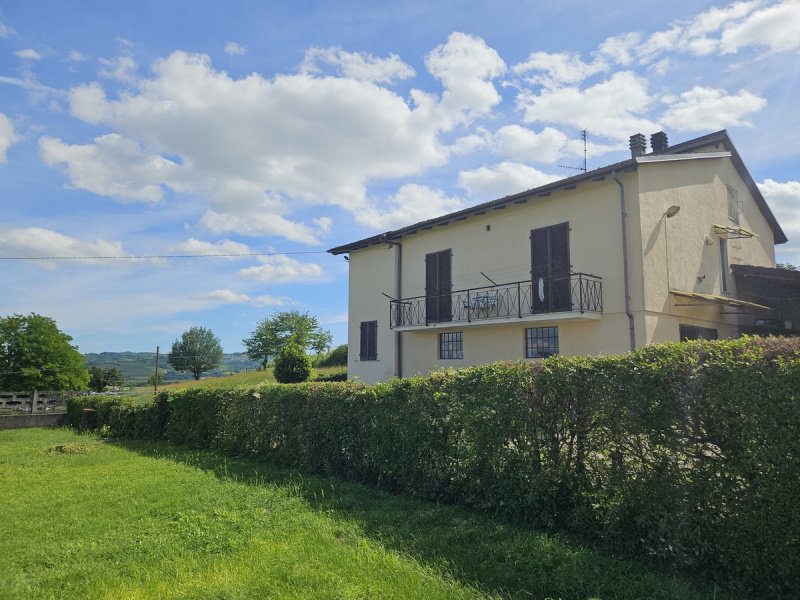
<point>550,268</point>
<point>438,287</point>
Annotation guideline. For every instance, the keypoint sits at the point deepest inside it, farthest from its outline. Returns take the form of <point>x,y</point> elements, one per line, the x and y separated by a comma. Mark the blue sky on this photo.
<point>175,128</point>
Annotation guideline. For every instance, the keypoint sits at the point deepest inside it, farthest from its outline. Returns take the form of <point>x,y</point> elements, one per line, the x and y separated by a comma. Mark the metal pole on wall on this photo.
<point>155,379</point>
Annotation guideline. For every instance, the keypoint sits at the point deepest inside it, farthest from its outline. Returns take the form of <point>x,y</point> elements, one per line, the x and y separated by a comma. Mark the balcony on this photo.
<point>574,296</point>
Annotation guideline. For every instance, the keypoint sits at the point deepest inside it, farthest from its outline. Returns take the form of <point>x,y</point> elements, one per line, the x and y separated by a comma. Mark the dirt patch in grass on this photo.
<point>75,448</point>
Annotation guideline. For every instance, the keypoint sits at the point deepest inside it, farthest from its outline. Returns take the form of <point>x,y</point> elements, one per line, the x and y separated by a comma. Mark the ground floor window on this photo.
<point>690,332</point>
<point>541,342</point>
<point>369,341</point>
<point>451,345</point>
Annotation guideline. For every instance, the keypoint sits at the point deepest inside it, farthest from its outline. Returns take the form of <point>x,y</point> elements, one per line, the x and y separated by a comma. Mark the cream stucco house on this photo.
<point>626,255</point>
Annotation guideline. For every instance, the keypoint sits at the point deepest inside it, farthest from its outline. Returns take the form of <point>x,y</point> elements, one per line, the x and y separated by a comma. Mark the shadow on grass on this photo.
<point>496,557</point>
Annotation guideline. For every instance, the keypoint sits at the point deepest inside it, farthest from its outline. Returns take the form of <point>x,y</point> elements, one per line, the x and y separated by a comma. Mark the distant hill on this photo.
<point>138,366</point>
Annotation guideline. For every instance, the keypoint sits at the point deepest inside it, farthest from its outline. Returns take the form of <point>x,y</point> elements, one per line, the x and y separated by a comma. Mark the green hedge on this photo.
<point>686,454</point>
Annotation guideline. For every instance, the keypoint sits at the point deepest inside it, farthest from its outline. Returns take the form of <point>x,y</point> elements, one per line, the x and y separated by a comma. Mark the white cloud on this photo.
<point>696,36</point>
<point>621,48</point>
<point>8,136</point>
<point>45,243</point>
<point>469,143</point>
<point>411,204</point>
<point>559,68</point>
<point>661,67</point>
<point>613,108</point>
<point>28,54</point>
<point>716,18</point>
<point>466,65</point>
<point>258,224</point>
<point>75,56</point>
<point>28,82</point>
<point>321,138</point>
<point>5,30</point>
<point>776,27</point>
<point>704,108</point>
<point>784,200</point>
<point>234,49</point>
<point>283,269</point>
<point>525,145</point>
<point>323,224</point>
<point>88,103</point>
<point>199,247</point>
<point>357,65</point>
<point>113,166</point>
<point>489,183</point>
<point>231,297</point>
<point>122,68</point>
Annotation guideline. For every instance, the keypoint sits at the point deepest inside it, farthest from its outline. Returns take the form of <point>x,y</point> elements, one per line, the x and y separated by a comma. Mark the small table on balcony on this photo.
<point>483,304</point>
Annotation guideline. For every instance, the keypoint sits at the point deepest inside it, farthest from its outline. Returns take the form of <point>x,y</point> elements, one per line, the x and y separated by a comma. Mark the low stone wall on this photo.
<point>15,403</point>
<point>40,420</point>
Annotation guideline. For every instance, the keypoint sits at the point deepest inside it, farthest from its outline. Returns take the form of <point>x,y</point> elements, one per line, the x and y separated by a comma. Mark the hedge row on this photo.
<point>685,453</point>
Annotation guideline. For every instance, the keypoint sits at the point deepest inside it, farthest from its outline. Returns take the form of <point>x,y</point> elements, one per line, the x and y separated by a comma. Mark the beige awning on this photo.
<point>724,300</point>
<point>733,231</point>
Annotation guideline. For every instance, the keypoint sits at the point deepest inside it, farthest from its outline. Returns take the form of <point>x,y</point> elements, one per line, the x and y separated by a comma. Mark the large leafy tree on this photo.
<point>101,378</point>
<point>198,350</point>
<point>35,355</point>
<point>274,333</point>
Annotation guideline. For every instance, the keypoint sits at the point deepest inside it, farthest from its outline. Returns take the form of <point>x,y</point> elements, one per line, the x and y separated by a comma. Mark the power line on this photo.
<point>152,256</point>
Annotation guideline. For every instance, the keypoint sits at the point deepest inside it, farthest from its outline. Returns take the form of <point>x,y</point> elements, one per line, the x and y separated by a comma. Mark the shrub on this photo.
<point>686,454</point>
<point>342,376</point>
<point>292,365</point>
<point>335,358</point>
<point>104,405</point>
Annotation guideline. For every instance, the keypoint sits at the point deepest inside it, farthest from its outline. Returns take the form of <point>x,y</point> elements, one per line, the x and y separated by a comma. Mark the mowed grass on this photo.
<point>86,518</point>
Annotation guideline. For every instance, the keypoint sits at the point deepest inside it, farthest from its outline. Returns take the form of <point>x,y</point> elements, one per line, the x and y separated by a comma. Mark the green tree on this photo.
<point>292,365</point>
<point>786,266</point>
<point>274,333</point>
<point>152,379</point>
<point>101,378</point>
<point>335,358</point>
<point>197,351</point>
<point>35,355</point>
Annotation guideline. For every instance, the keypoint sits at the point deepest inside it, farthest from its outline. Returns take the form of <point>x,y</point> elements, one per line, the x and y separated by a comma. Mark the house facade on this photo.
<point>634,253</point>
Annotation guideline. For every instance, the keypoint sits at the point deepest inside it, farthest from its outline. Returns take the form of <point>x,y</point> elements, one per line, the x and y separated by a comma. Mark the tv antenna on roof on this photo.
<point>583,168</point>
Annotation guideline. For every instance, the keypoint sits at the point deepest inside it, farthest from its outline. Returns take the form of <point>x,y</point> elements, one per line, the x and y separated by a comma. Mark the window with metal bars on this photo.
<point>692,332</point>
<point>451,345</point>
<point>541,342</point>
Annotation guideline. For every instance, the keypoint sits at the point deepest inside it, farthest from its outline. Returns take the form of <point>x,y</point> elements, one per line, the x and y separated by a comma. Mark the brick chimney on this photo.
<point>658,142</point>
<point>638,145</point>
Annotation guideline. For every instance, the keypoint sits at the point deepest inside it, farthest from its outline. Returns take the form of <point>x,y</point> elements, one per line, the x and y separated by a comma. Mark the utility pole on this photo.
<point>155,381</point>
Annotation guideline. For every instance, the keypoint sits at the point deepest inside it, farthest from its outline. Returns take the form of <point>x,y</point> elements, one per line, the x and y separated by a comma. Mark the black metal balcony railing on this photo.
<point>577,292</point>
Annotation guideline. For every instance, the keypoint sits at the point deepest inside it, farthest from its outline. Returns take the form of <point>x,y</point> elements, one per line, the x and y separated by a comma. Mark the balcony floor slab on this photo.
<point>554,317</point>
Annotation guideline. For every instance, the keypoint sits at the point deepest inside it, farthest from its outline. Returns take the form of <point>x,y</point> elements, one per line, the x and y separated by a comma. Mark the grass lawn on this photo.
<point>85,518</point>
<point>144,394</point>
